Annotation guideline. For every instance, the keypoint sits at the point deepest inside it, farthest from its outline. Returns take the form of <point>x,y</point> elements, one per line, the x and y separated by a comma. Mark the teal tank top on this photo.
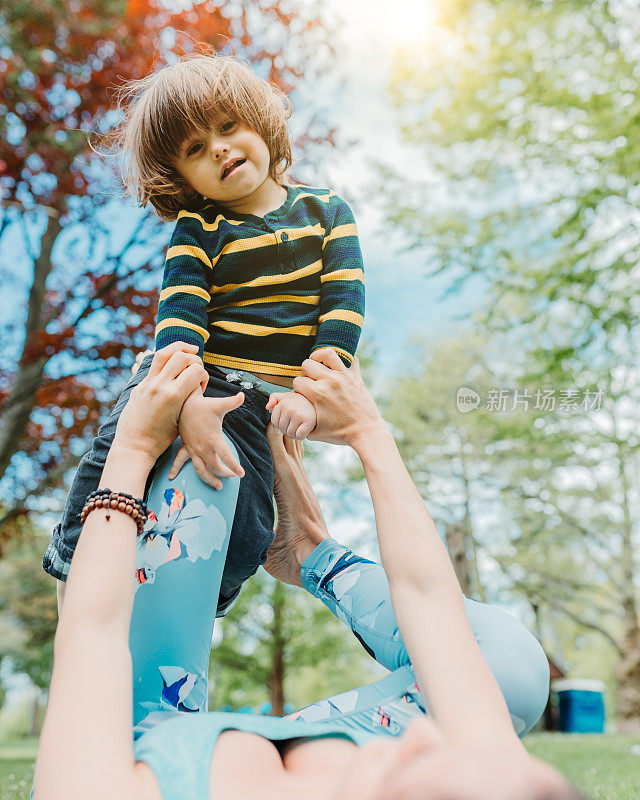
<point>179,749</point>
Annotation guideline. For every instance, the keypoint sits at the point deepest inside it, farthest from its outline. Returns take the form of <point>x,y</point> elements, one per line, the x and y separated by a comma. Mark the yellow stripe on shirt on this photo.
<point>311,300</point>
<point>299,233</point>
<point>209,226</point>
<point>268,280</point>
<point>343,275</point>
<point>267,367</point>
<point>343,314</point>
<point>172,322</point>
<point>340,232</point>
<point>241,245</point>
<point>265,330</point>
<point>338,350</point>
<point>197,291</point>
<point>323,197</point>
<point>189,250</point>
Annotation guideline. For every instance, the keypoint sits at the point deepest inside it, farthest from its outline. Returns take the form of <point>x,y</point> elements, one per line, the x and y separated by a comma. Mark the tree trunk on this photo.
<point>276,679</point>
<point>628,669</point>
<point>20,403</point>
<point>34,726</point>
<point>628,675</point>
<point>456,543</point>
<point>469,542</point>
<point>548,717</point>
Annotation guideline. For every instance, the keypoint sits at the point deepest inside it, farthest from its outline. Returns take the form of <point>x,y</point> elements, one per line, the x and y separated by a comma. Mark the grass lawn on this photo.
<point>16,768</point>
<point>605,767</point>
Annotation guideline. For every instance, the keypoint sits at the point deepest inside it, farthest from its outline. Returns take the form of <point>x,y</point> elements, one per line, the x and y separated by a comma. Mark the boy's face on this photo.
<point>226,164</point>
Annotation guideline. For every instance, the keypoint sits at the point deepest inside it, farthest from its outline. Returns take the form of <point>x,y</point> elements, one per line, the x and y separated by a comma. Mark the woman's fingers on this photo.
<point>303,430</point>
<point>182,456</point>
<point>275,417</point>
<point>177,363</point>
<point>304,386</point>
<point>328,357</point>
<point>191,378</point>
<point>312,369</point>
<point>162,356</point>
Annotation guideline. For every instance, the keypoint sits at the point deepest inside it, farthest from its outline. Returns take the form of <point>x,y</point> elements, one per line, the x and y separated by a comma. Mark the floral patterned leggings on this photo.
<point>179,563</point>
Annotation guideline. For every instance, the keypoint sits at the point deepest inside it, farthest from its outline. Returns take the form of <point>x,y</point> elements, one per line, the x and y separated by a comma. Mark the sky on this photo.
<point>400,301</point>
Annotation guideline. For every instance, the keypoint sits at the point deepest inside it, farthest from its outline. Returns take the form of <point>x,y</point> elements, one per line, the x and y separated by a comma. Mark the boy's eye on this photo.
<point>193,149</point>
<point>226,126</point>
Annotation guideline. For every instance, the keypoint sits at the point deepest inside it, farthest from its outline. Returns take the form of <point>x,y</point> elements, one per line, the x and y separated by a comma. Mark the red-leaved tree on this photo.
<point>80,267</point>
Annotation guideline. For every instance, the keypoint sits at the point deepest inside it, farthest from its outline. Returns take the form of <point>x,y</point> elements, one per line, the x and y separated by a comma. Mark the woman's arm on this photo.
<point>86,743</point>
<point>427,599</point>
<point>426,596</point>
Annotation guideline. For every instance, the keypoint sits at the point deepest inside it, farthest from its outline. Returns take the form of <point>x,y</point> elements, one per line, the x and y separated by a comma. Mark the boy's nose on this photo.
<point>219,149</point>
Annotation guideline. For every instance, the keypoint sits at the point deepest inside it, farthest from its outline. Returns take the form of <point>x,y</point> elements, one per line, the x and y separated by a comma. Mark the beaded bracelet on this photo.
<point>116,501</point>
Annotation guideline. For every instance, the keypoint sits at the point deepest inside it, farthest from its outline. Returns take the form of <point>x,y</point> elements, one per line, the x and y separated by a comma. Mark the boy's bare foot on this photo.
<point>300,527</point>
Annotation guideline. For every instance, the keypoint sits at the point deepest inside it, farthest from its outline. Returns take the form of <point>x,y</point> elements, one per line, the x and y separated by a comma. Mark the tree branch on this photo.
<point>577,618</point>
<point>18,408</point>
<point>52,478</point>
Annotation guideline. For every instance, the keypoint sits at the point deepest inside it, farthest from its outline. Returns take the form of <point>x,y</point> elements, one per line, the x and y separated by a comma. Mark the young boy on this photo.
<point>258,274</point>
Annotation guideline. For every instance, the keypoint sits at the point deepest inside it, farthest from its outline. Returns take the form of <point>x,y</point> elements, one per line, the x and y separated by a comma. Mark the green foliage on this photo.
<point>22,719</point>
<point>527,116</point>
<point>320,656</point>
<point>28,607</point>
<point>529,490</point>
<point>447,452</point>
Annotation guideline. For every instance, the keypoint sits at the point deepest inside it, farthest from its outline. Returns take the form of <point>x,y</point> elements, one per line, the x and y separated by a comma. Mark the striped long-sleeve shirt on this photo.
<point>261,293</point>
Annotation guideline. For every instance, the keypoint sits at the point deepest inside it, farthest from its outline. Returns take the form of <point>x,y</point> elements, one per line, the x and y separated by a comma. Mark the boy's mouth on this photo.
<point>231,166</point>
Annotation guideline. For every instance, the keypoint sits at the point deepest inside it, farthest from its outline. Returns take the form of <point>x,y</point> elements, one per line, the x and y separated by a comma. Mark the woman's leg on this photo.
<point>356,590</point>
<point>179,563</point>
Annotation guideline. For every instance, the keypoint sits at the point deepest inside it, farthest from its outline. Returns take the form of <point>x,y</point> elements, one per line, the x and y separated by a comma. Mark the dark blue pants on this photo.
<point>252,530</point>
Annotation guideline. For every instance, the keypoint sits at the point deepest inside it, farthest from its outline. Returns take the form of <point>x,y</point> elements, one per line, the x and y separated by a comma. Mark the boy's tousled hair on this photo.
<point>187,97</point>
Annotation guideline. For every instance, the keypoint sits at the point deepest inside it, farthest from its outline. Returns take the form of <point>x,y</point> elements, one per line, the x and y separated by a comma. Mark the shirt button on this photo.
<point>284,236</point>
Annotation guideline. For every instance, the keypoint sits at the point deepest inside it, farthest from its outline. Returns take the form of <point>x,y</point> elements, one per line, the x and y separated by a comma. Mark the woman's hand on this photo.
<point>149,421</point>
<point>345,410</point>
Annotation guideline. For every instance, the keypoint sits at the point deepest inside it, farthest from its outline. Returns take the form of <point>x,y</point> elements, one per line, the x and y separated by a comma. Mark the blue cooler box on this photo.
<point>581,706</point>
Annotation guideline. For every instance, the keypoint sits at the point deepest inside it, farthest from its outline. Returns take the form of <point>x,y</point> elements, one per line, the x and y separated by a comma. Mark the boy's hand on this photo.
<point>292,414</point>
<point>200,426</point>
